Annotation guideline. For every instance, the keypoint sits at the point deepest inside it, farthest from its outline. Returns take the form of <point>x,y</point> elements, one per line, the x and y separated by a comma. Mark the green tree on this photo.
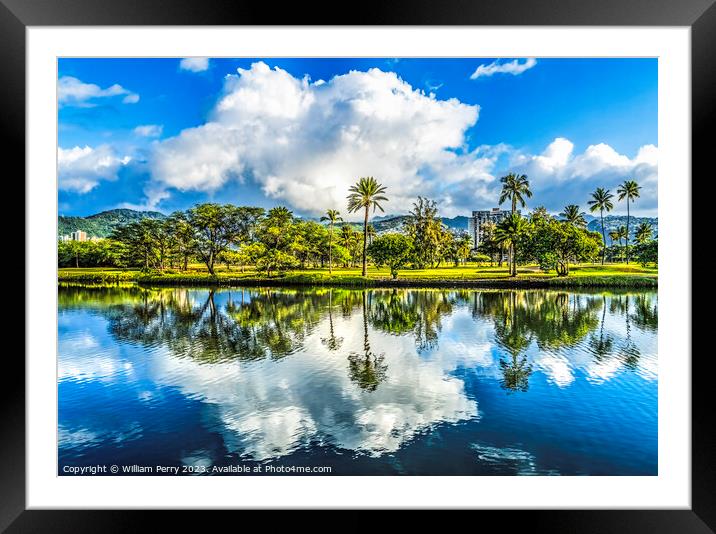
<point>643,232</point>
<point>553,244</point>
<point>182,237</point>
<point>648,252</point>
<point>425,229</point>
<point>393,250</point>
<point>514,188</point>
<point>365,194</point>
<point>215,228</point>
<point>601,202</point>
<point>508,232</point>
<point>573,216</point>
<point>617,235</point>
<point>332,216</point>
<point>629,190</point>
<point>462,248</point>
<point>488,245</point>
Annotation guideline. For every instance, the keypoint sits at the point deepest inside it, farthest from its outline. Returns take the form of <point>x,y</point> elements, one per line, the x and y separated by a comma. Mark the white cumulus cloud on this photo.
<point>73,91</point>
<point>558,176</point>
<point>149,130</point>
<point>305,143</point>
<point>194,64</point>
<point>513,67</point>
<point>80,169</point>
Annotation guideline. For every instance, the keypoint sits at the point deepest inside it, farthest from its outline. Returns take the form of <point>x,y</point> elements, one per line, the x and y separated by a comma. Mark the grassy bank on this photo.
<point>613,275</point>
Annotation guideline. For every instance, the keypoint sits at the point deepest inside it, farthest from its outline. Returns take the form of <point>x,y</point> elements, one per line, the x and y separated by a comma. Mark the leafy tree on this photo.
<point>332,216</point>
<point>647,252</point>
<point>460,247</point>
<point>553,244</point>
<point>629,190</point>
<point>183,240</point>
<point>573,216</point>
<point>275,231</point>
<point>365,194</point>
<point>425,229</point>
<point>146,242</point>
<point>488,246</point>
<point>643,232</point>
<point>601,202</point>
<point>508,232</point>
<point>274,260</point>
<point>216,227</point>
<point>351,242</point>
<point>393,250</point>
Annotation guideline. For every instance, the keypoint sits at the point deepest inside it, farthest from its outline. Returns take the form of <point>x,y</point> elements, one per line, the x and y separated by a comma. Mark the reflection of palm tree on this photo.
<point>646,314</point>
<point>629,352</point>
<point>515,373</point>
<point>331,342</point>
<point>601,346</point>
<point>367,370</point>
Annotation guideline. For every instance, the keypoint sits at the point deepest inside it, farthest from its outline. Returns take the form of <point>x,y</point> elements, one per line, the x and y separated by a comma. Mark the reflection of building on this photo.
<point>475,225</point>
<point>78,235</point>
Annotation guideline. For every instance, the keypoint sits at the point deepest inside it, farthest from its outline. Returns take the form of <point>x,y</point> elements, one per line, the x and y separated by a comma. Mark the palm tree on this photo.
<point>614,236</point>
<point>601,201</point>
<point>513,188</point>
<point>371,233</point>
<point>573,216</point>
<point>629,190</point>
<point>507,232</point>
<point>643,232</point>
<point>622,233</point>
<point>332,216</point>
<point>366,193</point>
<point>516,188</point>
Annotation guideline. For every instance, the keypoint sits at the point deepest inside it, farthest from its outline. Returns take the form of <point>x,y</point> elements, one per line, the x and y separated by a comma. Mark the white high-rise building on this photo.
<point>78,235</point>
<point>479,218</point>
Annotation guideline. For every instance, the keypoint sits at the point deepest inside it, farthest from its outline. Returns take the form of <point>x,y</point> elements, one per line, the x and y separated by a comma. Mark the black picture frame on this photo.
<point>699,15</point>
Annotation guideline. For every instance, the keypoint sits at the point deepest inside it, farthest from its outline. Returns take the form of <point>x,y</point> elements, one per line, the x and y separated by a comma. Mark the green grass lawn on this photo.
<point>618,273</point>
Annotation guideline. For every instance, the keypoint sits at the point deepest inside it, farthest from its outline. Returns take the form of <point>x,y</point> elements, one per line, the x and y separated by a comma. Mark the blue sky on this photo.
<point>166,133</point>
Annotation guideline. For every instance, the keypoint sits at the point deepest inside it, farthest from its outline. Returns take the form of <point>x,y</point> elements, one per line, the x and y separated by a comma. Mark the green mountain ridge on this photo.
<point>101,224</point>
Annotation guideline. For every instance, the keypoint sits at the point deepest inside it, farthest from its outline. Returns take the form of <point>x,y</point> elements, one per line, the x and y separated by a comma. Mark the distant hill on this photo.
<point>612,222</point>
<point>394,223</point>
<point>102,224</point>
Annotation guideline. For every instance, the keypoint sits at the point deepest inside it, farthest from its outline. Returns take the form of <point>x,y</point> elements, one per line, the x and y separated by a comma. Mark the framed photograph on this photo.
<point>434,257</point>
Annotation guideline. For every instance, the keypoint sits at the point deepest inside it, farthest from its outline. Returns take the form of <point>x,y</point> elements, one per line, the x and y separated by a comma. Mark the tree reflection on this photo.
<point>646,312</point>
<point>516,373</point>
<point>629,353</point>
<point>601,345</point>
<point>418,312</point>
<point>367,370</point>
<point>553,319</point>
<point>332,342</point>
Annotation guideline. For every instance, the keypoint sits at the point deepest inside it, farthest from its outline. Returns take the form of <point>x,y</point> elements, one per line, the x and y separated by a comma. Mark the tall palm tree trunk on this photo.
<point>330,250</point>
<point>604,237</point>
<point>365,243</point>
<point>513,266</point>
<point>627,234</point>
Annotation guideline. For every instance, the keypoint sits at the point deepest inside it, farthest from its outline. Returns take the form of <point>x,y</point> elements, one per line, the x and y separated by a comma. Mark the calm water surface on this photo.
<point>416,382</point>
